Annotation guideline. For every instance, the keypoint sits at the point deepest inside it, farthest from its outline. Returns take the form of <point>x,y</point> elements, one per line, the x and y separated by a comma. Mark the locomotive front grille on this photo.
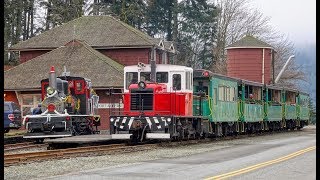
<point>141,99</point>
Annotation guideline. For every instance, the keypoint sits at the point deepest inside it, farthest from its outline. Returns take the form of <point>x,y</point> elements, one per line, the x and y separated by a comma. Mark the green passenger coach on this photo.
<point>303,111</point>
<point>289,100</point>
<point>229,105</point>
<point>216,99</point>
<point>273,117</point>
<point>251,105</point>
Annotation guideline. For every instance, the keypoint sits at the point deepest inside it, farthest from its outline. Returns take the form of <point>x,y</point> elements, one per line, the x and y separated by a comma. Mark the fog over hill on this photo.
<point>306,56</point>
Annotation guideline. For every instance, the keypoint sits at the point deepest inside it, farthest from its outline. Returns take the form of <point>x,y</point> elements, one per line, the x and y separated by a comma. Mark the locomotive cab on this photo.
<point>170,94</point>
<point>150,105</point>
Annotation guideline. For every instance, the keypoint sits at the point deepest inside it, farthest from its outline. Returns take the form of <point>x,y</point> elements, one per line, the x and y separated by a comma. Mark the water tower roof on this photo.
<point>249,42</point>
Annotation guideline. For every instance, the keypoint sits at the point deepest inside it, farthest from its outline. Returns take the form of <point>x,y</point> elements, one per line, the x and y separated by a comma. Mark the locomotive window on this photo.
<point>162,77</point>
<point>145,76</point>
<point>45,88</point>
<point>176,81</point>
<point>131,78</point>
<point>79,86</point>
<point>191,80</point>
<point>188,83</point>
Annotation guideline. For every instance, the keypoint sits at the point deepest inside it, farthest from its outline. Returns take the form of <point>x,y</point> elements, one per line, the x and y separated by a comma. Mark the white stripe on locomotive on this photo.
<point>165,122</point>
<point>157,122</point>
<point>130,122</point>
<point>123,121</point>
<point>117,120</point>
<point>149,122</point>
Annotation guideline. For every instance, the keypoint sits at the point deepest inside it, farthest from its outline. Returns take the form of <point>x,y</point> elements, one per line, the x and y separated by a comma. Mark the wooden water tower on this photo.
<point>250,59</point>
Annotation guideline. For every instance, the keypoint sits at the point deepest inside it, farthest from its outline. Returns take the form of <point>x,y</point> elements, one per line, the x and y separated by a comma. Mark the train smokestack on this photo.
<point>52,78</point>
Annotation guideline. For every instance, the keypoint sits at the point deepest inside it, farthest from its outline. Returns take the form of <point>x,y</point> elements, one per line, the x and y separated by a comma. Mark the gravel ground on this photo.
<point>44,169</point>
<point>34,149</point>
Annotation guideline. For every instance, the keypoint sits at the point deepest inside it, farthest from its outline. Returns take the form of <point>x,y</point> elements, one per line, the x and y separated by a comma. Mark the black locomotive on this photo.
<point>69,107</point>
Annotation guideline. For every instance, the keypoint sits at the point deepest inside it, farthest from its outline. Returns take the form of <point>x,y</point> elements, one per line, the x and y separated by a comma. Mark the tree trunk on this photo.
<point>175,21</point>
<point>48,17</point>
<point>31,17</point>
<point>18,22</point>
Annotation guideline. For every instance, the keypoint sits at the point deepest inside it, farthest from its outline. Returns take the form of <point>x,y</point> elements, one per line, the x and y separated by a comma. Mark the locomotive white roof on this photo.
<point>171,69</point>
<point>159,67</point>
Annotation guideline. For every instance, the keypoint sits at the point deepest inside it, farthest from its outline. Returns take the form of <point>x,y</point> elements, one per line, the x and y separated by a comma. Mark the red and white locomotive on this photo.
<point>156,106</point>
<point>69,107</point>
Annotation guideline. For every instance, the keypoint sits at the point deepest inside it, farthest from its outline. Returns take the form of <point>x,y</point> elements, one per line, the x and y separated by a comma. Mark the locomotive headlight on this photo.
<point>111,119</point>
<point>142,85</point>
<point>169,119</point>
<point>50,90</point>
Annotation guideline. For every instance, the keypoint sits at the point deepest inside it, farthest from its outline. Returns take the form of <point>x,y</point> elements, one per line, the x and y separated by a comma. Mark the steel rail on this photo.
<point>11,159</point>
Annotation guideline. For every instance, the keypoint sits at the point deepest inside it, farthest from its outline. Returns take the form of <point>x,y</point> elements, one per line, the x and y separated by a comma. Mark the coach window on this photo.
<point>232,97</point>
<point>247,90</point>
<point>131,78</point>
<point>176,81</point>
<point>215,95</point>
<point>162,77</point>
<point>291,98</point>
<point>221,93</point>
<point>276,96</point>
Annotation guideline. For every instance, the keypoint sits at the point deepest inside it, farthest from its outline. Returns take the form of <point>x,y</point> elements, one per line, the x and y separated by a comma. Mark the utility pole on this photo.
<point>153,64</point>
<point>272,58</point>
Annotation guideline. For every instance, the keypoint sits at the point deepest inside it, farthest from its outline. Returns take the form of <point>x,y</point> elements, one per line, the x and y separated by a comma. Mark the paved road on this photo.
<point>284,158</point>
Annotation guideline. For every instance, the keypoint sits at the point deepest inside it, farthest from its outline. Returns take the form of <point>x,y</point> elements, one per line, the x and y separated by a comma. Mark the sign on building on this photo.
<point>110,105</point>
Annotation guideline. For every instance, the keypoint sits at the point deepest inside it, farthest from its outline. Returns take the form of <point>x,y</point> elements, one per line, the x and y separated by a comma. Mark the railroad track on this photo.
<point>12,159</point>
<point>18,146</point>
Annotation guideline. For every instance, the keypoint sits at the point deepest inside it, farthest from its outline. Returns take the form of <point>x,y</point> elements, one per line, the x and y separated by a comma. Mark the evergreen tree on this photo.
<point>61,11</point>
<point>128,11</point>
<point>197,32</point>
<point>313,112</point>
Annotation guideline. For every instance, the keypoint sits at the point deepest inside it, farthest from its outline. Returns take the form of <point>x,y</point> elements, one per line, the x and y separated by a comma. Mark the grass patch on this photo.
<point>14,132</point>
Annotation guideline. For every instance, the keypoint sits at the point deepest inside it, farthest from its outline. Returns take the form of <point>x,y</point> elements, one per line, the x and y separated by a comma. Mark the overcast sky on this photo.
<point>295,18</point>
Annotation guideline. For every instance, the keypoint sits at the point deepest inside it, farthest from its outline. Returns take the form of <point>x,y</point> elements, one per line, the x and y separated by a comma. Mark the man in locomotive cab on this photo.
<point>145,76</point>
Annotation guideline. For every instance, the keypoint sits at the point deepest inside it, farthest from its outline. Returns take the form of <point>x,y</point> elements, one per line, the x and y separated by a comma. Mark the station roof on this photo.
<point>80,60</point>
<point>99,32</point>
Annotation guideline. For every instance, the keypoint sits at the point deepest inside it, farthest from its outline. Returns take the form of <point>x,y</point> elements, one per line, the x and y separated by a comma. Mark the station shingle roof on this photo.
<point>80,60</point>
<point>96,31</point>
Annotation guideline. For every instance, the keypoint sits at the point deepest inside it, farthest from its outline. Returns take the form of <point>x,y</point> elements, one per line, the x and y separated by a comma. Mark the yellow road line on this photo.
<point>260,165</point>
